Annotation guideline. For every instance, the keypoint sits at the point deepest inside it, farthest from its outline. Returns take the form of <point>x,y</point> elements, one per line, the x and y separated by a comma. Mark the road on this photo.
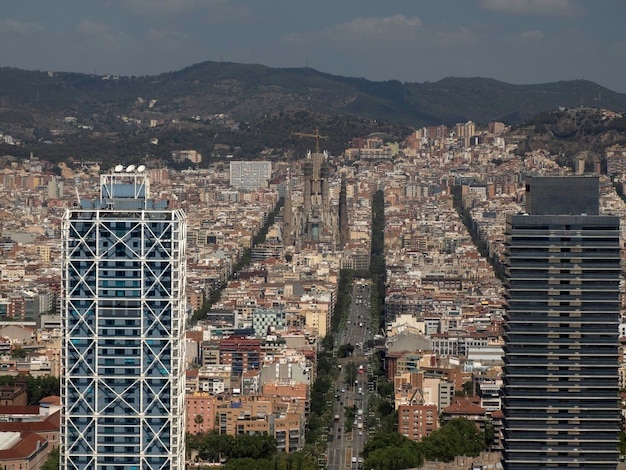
<point>345,446</point>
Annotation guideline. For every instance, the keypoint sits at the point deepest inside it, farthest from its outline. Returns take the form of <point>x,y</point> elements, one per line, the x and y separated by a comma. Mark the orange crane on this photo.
<point>315,136</point>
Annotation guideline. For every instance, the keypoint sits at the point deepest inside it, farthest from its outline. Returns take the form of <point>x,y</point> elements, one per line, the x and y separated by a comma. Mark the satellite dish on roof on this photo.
<point>119,168</point>
<point>130,168</point>
<point>141,168</point>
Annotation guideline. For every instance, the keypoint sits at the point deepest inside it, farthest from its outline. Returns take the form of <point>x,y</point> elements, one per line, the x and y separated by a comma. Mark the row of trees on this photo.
<point>214,447</point>
<point>246,452</point>
<point>36,387</point>
<point>327,372</point>
<point>244,261</point>
<point>392,451</point>
<point>387,449</point>
<point>377,258</point>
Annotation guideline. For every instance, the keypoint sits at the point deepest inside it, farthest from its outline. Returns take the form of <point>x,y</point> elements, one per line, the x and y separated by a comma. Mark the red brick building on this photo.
<point>417,421</point>
<point>241,353</point>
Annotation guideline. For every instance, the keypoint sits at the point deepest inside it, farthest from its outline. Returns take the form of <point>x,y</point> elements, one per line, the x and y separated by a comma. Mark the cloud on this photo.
<point>533,7</point>
<point>20,28</point>
<point>455,36</point>
<point>380,26</point>
<point>92,28</point>
<point>167,37</point>
<point>103,36</point>
<point>362,28</point>
<point>168,6</point>
<point>531,35</point>
<point>207,11</point>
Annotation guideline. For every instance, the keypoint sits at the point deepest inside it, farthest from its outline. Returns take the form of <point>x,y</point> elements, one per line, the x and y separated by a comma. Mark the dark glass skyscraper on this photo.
<point>561,341</point>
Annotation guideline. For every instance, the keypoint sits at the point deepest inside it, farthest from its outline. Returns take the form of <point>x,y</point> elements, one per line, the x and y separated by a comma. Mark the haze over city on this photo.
<point>516,41</point>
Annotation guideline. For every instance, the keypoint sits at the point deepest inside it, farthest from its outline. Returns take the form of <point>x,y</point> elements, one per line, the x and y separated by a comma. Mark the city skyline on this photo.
<point>515,41</point>
<point>439,289</point>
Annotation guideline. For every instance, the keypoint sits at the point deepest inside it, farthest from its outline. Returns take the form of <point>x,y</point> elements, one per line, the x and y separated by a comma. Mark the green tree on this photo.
<point>460,436</point>
<point>41,387</point>
<point>489,434</point>
<point>351,372</point>
<point>391,451</point>
<point>214,447</point>
<point>18,353</point>
<point>53,460</point>
<point>467,391</point>
<point>345,350</point>
<point>382,440</point>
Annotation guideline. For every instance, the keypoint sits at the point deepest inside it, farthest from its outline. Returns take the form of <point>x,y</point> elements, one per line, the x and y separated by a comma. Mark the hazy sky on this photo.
<point>516,41</point>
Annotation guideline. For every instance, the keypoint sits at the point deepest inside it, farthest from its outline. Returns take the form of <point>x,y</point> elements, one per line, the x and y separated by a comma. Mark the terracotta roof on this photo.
<point>19,410</point>
<point>462,406</point>
<point>51,423</point>
<point>27,446</point>
<point>51,400</point>
<point>194,335</point>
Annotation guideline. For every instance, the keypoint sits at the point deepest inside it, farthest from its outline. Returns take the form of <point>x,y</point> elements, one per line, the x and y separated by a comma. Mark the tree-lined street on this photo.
<point>349,430</point>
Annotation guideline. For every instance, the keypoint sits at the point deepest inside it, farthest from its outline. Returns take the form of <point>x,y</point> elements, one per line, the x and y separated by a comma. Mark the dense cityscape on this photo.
<point>314,306</point>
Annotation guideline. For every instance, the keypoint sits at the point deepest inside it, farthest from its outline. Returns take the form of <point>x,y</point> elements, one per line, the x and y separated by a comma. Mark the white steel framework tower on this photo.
<point>123,307</point>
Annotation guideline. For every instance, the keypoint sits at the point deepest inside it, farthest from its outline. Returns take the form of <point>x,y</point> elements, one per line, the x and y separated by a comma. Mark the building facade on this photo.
<point>123,308</point>
<point>561,336</point>
<point>250,175</point>
<point>417,421</point>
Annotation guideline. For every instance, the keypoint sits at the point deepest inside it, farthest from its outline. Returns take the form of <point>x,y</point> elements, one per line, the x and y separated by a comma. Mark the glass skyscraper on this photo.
<point>123,307</point>
<point>561,335</point>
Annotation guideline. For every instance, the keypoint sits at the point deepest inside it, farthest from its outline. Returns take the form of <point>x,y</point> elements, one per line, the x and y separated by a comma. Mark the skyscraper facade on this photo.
<point>561,336</point>
<point>123,308</point>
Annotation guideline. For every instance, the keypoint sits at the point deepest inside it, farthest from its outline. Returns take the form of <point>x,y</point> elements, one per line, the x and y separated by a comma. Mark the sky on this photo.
<point>416,41</point>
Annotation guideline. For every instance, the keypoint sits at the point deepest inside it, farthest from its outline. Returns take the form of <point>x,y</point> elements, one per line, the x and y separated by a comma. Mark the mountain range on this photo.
<point>245,109</point>
<point>248,92</point>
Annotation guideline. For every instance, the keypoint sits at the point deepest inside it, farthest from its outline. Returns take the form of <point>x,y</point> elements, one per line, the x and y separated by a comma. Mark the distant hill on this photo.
<point>248,92</point>
<point>572,134</point>
<point>221,108</point>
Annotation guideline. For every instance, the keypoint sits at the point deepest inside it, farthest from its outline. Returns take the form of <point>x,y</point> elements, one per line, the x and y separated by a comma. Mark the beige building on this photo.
<point>280,417</point>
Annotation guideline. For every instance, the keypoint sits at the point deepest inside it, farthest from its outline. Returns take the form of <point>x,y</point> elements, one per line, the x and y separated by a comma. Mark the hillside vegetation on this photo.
<point>246,111</point>
<point>248,92</point>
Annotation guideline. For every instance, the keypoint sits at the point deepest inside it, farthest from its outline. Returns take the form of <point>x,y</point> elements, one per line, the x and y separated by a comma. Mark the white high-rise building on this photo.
<point>250,175</point>
<point>123,307</point>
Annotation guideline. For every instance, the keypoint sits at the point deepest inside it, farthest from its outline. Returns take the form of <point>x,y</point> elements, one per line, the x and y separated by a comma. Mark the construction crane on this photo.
<point>315,136</point>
